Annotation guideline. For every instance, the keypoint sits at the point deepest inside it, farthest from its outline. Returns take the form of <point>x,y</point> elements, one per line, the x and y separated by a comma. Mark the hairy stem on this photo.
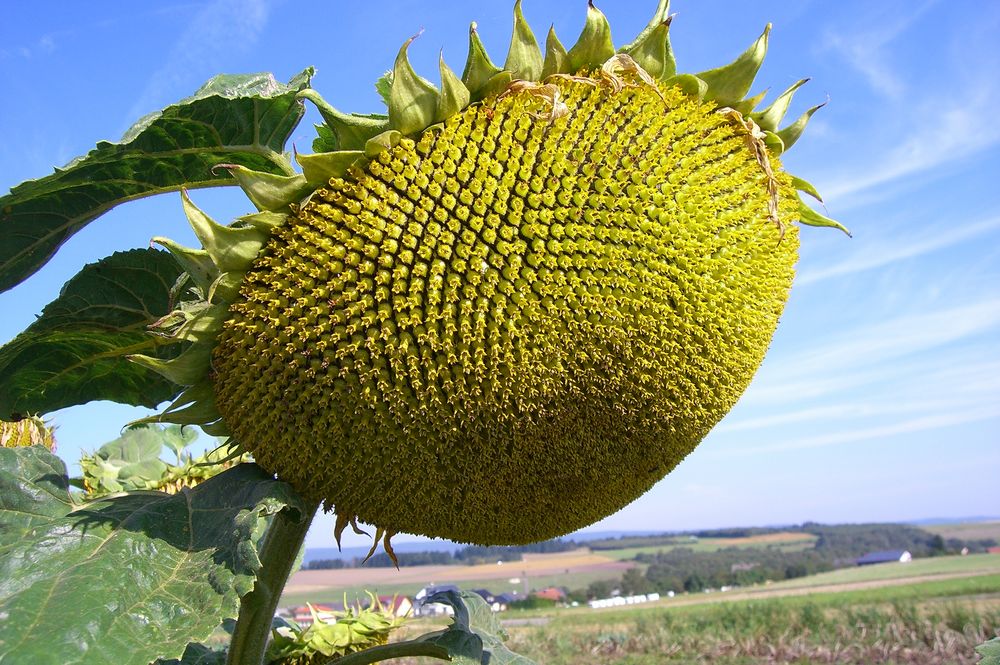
<point>277,556</point>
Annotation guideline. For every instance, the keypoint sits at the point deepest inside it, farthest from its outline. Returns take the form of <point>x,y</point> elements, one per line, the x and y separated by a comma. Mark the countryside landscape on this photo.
<point>688,300</point>
<point>755,595</point>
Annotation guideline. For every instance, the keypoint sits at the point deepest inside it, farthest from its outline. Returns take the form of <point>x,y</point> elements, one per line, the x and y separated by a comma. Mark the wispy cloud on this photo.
<point>933,121</point>
<point>44,45</point>
<point>918,424</point>
<point>861,356</point>
<point>864,47</point>
<point>943,135</point>
<point>220,28</point>
<point>875,255</point>
<point>892,405</point>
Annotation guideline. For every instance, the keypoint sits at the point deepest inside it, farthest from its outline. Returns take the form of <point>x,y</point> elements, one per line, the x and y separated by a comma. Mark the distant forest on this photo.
<point>681,568</point>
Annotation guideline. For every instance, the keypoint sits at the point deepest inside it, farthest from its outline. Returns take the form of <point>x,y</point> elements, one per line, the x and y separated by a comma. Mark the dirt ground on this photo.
<point>577,561</point>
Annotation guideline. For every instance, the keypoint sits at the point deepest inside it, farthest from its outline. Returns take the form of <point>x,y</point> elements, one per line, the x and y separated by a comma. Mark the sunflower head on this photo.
<point>30,431</point>
<point>509,306</point>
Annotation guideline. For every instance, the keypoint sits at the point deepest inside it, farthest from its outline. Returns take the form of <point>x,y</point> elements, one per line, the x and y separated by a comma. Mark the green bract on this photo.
<point>507,307</point>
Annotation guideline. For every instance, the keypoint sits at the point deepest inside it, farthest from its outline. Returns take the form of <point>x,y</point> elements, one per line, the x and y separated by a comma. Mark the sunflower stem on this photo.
<point>278,553</point>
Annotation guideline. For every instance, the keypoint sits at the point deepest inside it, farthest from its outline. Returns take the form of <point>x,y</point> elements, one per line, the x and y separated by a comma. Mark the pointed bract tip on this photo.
<point>338,529</point>
<point>371,552</point>
<point>358,530</point>
<point>412,100</point>
<point>594,46</point>
<point>387,546</point>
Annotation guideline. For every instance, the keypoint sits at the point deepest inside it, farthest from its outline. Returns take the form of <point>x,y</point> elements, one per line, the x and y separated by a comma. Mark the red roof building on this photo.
<point>551,593</point>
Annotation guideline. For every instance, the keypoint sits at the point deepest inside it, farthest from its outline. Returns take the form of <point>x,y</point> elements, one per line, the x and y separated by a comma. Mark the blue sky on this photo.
<point>880,396</point>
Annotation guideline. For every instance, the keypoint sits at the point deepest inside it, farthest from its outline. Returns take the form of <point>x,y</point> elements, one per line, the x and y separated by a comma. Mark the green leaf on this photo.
<point>810,217</point>
<point>769,118</point>
<point>243,120</point>
<point>197,654</point>
<point>454,96</point>
<point>790,134</point>
<point>126,580</point>
<point>130,462</point>
<point>34,490</point>
<point>178,438</point>
<point>349,131</point>
<point>383,86</point>
<point>807,187</point>
<point>651,49</point>
<point>74,352</point>
<point>476,636</point>
<point>326,139</point>
<point>990,652</point>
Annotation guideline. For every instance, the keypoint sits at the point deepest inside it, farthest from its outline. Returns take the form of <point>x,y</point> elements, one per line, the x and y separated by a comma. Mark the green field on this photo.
<point>925,623</point>
<point>926,612</point>
<point>973,564</point>
<point>796,544</point>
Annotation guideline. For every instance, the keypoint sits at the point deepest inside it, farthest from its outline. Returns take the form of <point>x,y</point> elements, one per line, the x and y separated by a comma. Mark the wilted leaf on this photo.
<point>126,580</point>
<point>243,120</point>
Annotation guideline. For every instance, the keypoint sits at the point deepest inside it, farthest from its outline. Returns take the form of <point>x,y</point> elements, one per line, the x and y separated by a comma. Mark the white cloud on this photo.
<point>863,45</point>
<point>873,354</point>
<point>931,121</point>
<point>853,412</point>
<point>875,255</point>
<point>921,423</point>
<point>942,136</point>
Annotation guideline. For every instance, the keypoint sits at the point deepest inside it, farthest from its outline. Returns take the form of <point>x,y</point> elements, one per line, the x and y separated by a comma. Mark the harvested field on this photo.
<point>534,565</point>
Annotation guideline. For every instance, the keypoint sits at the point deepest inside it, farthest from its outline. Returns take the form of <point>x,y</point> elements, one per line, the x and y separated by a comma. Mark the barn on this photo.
<point>888,556</point>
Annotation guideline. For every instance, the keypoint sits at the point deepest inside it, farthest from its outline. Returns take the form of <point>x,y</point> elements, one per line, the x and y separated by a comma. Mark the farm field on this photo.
<point>787,542</point>
<point>966,530</point>
<point>577,568</point>
<point>541,570</point>
<point>934,622</point>
<point>927,623</point>
<point>930,611</point>
<point>961,566</point>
